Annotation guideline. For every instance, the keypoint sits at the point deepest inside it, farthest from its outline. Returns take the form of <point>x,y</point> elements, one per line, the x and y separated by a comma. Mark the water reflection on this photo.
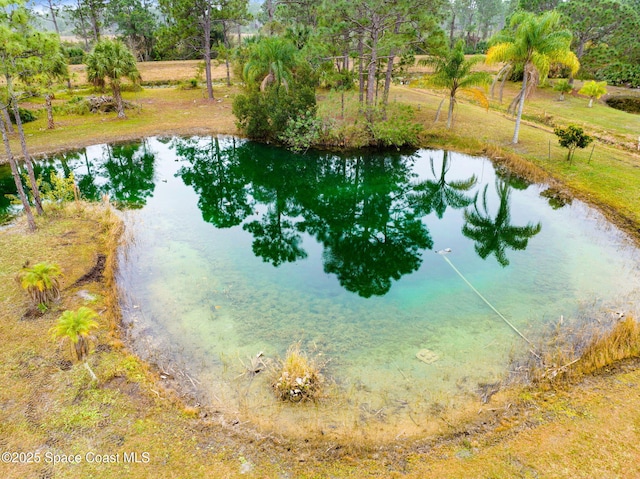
<point>215,173</point>
<point>371,213</point>
<point>129,170</point>
<point>437,194</point>
<point>494,235</point>
<point>367,211</point>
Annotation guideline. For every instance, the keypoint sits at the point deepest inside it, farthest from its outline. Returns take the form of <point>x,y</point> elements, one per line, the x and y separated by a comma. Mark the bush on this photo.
<point>26,116</point>
<point>266,115</point>
<point>619,73</point>
<point>190,84</point>
<point>572,137</point>
<point>302,131</point>
<point>76,106</point>
<point>59,189</point>
<point>399,130</point>
<point>75,55</point>
<point>562,86</point>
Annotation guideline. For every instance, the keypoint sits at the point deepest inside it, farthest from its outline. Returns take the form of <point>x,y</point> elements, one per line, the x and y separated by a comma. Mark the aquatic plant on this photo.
<point>41,281</point>
<point>299,377</point>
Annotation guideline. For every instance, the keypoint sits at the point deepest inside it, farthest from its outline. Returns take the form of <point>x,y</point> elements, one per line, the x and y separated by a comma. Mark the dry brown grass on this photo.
<point>158,72</point>
<point>569,352</point>
<point>298,377</point>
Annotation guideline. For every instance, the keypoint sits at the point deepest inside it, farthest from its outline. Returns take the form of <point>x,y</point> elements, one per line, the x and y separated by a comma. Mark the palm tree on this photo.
<point>594,90</point>
<point>112,60</point>
<point>42,282</point>
<point>536,44</point>
<point>563,86</point>
<point>452,72</point>
<point>76,326</point>
<point>271,61</point>
<point>495,235</point>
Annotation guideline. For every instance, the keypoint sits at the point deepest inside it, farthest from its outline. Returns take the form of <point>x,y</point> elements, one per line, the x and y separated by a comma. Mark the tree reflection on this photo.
<point>370,232</point>
<point>8,189</point>
<point>87,181</point>
<point>216,175</point>
<point>496,235</point>
<point>129,170</point>
<point>366,211</point>
<point>278,179</point>
<point>438,194</point>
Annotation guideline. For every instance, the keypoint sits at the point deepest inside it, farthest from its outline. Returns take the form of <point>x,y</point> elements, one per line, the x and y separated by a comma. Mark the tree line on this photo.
<point>305,44</point>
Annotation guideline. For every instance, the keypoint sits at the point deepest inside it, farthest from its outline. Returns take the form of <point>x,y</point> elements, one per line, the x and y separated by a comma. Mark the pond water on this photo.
<point>235,248</point>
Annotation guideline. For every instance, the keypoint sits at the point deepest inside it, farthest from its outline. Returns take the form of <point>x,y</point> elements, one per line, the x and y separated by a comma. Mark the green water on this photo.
<point>236,248</point>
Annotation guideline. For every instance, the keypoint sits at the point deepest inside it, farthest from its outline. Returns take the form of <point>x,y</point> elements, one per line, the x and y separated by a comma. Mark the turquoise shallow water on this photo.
<point>236,248</point>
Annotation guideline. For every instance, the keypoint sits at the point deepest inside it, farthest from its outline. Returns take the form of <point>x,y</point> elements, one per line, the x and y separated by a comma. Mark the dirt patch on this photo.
<point>94,274</point>
<point>32,314</point>
<point>129,388</point>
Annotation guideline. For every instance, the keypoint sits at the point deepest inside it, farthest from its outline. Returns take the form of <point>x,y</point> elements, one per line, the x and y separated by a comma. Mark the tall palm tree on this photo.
<point>495,235</point>
<point>271,61</point>
<point>76,326</point>
<point>112,60</point>
<point>537,43</point>
<point>452,72</point>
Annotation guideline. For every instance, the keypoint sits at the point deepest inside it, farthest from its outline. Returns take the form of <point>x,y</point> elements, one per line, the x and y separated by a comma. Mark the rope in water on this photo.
<point>484,299</point>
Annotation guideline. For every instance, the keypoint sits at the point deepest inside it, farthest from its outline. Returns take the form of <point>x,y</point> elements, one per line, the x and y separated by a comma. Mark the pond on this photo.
<point>236,248</point>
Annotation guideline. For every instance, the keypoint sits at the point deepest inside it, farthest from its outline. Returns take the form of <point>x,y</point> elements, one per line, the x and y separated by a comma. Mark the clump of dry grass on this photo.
<point>298,377</point>
<point>569,353</point>
<point>622,342</point>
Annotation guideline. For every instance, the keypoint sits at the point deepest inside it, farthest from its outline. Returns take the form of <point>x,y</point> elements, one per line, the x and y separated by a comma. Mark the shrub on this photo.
<point>42,283</point>
<point>59,189</point>
<point>26,116</point>
<point>266,115</point>
<point>572,137</point>
<point>75,55</point>
<point>399,130</point>
<point>619,73</point>
<point>302,131</point>
<point>562,86</point>
<point>190,84</point>
<point>77,105</point>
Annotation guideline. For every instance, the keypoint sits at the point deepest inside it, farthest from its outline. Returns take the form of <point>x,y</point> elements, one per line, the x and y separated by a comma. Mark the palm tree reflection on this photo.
<point>437,194</point>
<point>496,235</point>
